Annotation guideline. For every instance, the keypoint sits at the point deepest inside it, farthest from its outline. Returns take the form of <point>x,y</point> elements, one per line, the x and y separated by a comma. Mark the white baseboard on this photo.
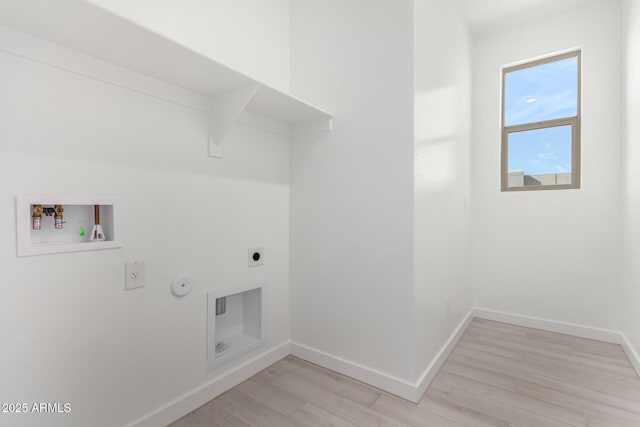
<point>631,353</point>
<point>381,380</point>
<point>433,368</point>
<point>581,331</point>
<point>197,397</point>
<point>576,330</point>
<point>389,383</point>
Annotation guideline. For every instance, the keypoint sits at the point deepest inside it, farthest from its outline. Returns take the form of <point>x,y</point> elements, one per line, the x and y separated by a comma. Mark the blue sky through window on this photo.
<point>540,151</point>
<point>543,92</point>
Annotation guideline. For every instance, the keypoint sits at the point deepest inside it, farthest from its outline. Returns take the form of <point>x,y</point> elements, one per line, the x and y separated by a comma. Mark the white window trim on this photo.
<point>573,121</point>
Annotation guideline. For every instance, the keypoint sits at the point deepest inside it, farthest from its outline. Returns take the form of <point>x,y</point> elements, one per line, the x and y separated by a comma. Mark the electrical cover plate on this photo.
<point>256,257</point>
<point>135,275</point>
<point>182,285</point>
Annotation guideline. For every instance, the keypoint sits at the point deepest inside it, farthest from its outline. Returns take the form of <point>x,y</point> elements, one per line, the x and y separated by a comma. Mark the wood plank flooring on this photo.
<point>498,375</point>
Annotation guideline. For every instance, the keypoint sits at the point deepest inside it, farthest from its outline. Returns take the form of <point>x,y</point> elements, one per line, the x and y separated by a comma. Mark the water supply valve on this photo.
<point>58,209</point>
<point>37,217</point>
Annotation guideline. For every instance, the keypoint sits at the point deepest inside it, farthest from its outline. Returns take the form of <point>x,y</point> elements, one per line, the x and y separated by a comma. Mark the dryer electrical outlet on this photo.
<point>256,257</point>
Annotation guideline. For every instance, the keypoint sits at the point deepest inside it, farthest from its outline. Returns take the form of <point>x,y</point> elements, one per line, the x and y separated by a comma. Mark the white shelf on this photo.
<point>87,28</point>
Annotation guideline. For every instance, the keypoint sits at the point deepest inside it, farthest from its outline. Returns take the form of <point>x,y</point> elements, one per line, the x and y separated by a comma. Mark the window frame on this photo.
<point>573,121</point>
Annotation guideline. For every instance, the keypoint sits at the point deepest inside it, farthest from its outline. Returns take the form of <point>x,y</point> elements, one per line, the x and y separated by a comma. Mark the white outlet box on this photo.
<point>78,221</point>
<point>241,329</point>
<point>135,276</point>
<point>256,257</point>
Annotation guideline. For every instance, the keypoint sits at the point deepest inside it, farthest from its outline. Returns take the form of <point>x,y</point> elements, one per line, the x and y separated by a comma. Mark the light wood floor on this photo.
<point>498,375</point>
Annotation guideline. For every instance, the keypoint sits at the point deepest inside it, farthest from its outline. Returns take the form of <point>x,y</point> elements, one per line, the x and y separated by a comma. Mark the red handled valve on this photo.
<point>36,217</point>
<point>58,209</point>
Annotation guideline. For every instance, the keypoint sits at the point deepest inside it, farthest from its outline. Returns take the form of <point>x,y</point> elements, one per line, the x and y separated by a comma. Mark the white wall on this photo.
<point>442,79</point>
<point>70,332</point>
<point>552,254</point>
<point>251,36</point>
<point>631,211</point>
<point>352,190</point>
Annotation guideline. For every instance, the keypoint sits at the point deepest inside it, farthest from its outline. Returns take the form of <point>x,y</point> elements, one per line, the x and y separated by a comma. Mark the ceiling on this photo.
<point>483,16</point>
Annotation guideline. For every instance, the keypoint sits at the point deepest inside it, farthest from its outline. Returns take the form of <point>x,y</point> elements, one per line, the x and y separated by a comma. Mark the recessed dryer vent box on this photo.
<point>239,328</point>
<point>75,224</point>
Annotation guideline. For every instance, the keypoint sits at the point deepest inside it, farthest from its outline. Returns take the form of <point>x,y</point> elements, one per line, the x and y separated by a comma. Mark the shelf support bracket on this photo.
<point>225,112</point>
<point>321,124</point>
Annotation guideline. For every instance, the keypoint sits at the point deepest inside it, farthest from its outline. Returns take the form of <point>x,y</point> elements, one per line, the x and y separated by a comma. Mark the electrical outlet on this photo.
<point>256,257</point>
<point>135,276</point>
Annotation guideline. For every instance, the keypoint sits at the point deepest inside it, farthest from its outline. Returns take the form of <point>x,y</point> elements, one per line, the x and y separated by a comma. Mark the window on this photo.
<point>541,124</point>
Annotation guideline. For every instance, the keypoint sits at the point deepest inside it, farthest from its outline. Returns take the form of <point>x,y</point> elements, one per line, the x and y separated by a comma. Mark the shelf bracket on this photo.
<point>226,111</point>
<point>321,124</point>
